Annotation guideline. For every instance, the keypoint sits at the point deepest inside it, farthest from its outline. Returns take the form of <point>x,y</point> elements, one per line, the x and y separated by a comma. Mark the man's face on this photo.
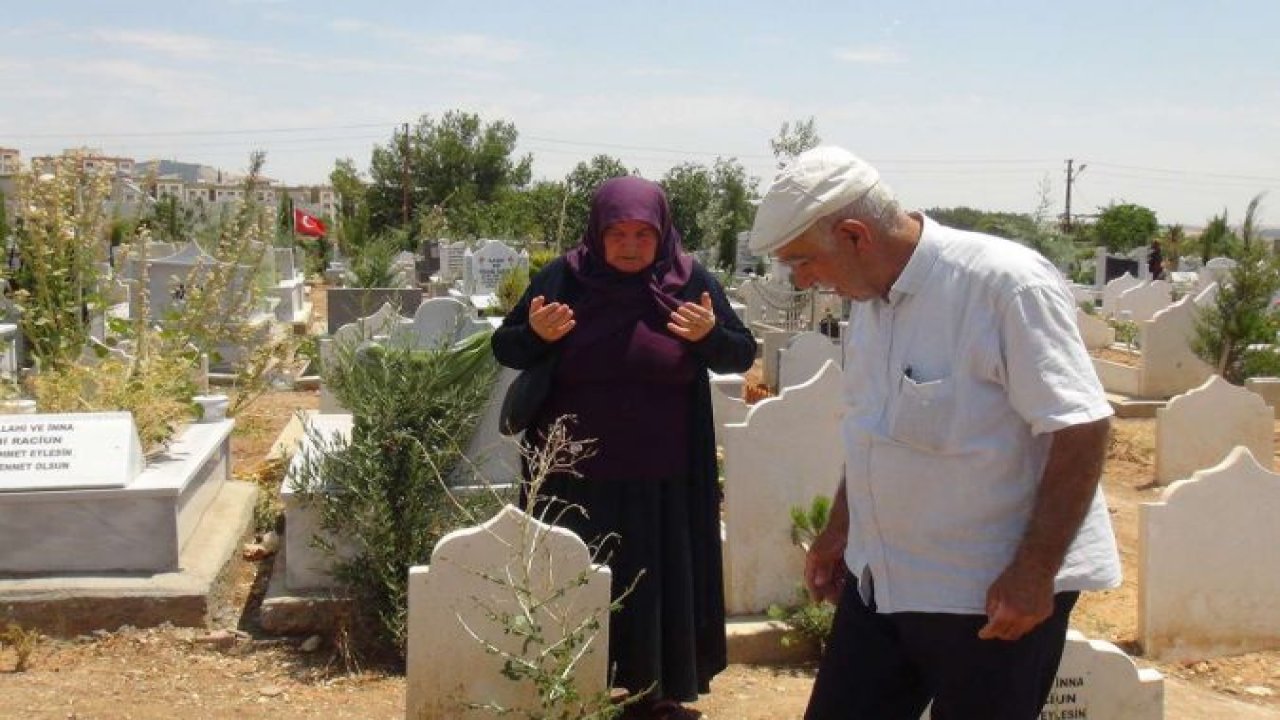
<point>834,265</point>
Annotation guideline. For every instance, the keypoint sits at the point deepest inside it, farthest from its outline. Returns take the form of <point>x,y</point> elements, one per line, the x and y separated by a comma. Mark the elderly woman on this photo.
<point>636,324</point>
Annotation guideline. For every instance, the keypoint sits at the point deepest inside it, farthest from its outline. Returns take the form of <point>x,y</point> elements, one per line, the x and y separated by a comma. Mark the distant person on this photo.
<point>1155,261</point>
<point>636,323</point>
<point>969,517</point>
<point>828,325</point>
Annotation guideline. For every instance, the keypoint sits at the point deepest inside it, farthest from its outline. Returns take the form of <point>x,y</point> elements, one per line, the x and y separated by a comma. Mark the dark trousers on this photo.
<point>889,666</point>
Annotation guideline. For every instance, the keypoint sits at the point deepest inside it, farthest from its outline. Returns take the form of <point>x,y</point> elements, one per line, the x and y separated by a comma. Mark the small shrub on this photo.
<point>22,641</point>
<point>510,289</point>
<point>806,618</point>
<point>384,490</point>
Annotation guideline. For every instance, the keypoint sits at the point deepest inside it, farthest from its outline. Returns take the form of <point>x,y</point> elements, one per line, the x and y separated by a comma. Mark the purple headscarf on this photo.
<point>615,299</point>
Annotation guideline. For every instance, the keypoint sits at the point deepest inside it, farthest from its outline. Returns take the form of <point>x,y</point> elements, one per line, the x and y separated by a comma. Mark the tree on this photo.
<point>731,210</point>
<point>4,220</point>
<point>689,190</point>
<point>581,184</point>
<point>1241,314</point>
<point>794,139</point>
<point>1124,227</point>
<point>1216,239</point>
<point>455,162</point>
<point>352,231</point>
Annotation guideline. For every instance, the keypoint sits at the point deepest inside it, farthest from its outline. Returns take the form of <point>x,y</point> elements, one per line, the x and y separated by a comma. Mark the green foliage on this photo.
<point>371,267</point>
<point>731,210</point>
<point>4,221</point>
<point>1123,227</point>
<point>456,162</point>
<point>794,139</point>
<point>1216,239</point>
<point>156,388</point>
<point>383,491</point>
<point>581,184</point>
<point>807,523</point>
<point>1127,331</point>
<point>689,189</point>
<point>62,238</point>
<point>511,287</point>
<point>170,220</point>
<point>806,618</point>
<point>1241,314</point>
<point>538,259</point>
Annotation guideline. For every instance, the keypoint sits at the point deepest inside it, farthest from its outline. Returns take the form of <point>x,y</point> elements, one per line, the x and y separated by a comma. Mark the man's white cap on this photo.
<point>816,184</point>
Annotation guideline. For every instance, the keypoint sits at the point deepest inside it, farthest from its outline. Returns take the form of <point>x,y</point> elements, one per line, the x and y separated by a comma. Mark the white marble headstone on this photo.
<point>1113,290</point>
<point>451,603</point>
<point>68,451</point>
<point>1095,331</point>
<point>786,452</point>
<point>1144,301</point>
<point>804,356</point>
<point>486,266</point>
<point>1198,428</point>
<point>1209,582</point>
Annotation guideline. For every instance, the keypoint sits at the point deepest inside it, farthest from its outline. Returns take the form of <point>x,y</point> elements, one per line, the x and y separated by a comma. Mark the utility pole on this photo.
<point>404,176</point>
<point>1072,175</point>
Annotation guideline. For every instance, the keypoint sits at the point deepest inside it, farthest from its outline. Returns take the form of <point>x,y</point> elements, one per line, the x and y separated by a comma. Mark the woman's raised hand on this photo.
<point>550,322</point>
<point>693,321</point>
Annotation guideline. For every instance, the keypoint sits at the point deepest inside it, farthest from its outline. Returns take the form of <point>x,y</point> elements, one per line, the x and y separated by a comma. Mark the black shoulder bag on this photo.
<point>526,394</point>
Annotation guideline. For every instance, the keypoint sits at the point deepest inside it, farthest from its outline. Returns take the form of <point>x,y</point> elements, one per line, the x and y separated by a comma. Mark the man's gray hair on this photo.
<point>878,208</point>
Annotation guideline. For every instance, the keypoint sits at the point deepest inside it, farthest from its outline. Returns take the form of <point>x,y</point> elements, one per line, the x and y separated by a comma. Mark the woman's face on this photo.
<point>630,246</point>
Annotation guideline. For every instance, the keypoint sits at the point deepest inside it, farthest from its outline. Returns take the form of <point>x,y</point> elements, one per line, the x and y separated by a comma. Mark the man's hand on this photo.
<point>550,322</point>
<point>824,570</point>
<point>1019,600</point>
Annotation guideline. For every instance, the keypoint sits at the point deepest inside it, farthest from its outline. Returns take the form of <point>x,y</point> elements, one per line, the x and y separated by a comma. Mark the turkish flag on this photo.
<point>305,223</point>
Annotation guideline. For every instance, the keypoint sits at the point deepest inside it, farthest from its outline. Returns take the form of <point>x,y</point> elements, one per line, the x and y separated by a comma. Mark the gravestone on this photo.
<point>1198,428</point>
<point>1095,331</point>
<point>1216,270</point>
<point>9,360</point>
<point>483,269</point>
<point>452,260</point>
<point>1114,288</point>
<point>786,452</point>
<point>1144,301</point>
<point>727,405</point>
<point>456,597</point>
<point>804,356</point>
<point>439,321</point>
<point>286,265</point>
<point>104,511</point>
<point>1170,365</point>
<point>72,451</point>
<point>1097,681</point>
<point>1209,582</point>
<point>1268,388</point>
<point>171,278</point>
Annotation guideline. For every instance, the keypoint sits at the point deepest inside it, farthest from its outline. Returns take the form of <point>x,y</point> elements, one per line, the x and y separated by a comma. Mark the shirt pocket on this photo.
<point>923,414</point>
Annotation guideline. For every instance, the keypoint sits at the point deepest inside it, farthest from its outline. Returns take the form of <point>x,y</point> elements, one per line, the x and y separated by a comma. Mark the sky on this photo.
<point>1170,104</point>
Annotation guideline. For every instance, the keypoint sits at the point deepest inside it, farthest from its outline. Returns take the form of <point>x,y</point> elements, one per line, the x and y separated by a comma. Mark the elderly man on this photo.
<point>969,517</point>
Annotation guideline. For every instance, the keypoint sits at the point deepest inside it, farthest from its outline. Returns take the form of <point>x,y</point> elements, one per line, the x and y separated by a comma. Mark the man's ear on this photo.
<point>851,231</point>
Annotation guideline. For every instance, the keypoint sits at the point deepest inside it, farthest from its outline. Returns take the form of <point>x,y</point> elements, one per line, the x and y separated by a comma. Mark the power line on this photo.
<point>183,133</point>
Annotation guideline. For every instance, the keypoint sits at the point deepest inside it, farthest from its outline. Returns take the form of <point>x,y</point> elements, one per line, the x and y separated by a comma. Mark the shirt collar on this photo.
<point>914,274</point>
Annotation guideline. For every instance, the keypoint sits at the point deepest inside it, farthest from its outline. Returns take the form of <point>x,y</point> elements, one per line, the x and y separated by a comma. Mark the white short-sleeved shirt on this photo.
<point>952,386</point>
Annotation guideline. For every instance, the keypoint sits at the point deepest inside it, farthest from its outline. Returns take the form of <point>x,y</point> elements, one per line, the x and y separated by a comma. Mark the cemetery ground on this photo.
<point>234,670</point>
